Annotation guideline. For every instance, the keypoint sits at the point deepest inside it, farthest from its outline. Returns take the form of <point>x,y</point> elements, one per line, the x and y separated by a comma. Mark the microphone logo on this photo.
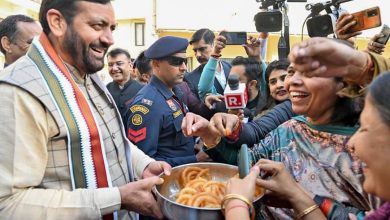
<point>235,93</point>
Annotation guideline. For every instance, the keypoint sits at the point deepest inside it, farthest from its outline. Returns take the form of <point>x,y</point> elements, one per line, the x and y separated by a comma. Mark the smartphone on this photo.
<point>386,34</point>
<point>235,38</point>
<point>366,19</point>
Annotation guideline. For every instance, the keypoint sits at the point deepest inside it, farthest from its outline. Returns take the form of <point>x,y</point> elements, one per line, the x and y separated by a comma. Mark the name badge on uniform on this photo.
<point>147,102</point>
<point>172,105</point>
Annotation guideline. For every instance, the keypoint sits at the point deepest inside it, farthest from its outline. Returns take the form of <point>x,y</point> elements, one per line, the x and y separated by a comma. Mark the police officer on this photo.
<point>155,115</point>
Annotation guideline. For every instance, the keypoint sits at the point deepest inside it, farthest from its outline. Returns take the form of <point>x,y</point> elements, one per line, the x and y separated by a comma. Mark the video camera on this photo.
<point>275,19</point>
<point>271,20</point>
<point>323,25</point>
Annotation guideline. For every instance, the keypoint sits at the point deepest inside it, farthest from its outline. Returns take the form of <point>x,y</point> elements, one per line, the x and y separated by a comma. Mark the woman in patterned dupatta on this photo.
<point>371,144</point>
<point>312,147</point>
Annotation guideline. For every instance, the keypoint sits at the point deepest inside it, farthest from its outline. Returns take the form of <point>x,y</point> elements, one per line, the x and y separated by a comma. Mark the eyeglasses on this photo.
<point>175,61</point>
<point>273,81</point>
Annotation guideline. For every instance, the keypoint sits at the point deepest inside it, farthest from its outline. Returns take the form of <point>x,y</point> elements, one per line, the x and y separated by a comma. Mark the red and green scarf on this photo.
<point>88,165</point>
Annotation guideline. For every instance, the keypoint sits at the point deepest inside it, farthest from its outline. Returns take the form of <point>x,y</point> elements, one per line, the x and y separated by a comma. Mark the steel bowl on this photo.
<point>166,192</point>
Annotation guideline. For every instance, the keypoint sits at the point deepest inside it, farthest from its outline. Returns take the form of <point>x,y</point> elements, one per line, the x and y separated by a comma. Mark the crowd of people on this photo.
<point>317,124</point>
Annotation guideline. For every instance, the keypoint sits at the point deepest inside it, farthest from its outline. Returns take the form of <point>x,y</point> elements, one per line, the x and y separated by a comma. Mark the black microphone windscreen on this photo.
<point>233,81</point>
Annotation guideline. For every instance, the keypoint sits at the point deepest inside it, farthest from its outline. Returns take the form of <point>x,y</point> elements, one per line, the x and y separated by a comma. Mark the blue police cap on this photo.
<point>166,46</point>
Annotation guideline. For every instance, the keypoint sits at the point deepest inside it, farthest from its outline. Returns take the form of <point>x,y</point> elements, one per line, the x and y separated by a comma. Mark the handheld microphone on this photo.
<point>235,93</point>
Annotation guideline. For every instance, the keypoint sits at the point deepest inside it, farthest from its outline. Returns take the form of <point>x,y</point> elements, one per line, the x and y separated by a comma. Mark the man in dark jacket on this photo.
<point>122,88</point>
<point>202,44</point>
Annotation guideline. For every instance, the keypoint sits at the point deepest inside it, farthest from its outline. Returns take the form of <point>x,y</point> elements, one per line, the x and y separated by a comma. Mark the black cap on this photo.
<point>166,46</point>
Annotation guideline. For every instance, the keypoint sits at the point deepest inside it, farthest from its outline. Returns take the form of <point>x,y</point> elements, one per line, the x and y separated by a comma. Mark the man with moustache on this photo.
<point>123,88</point>
<point>154,117</point>
<point>64,154</point>
<point>202,43</point>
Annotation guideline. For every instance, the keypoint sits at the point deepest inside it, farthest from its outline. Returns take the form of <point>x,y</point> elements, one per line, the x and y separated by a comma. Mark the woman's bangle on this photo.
<point>236,206</point>
<point>307,211</point>
<point>208,146</point>
<point>239,197</point>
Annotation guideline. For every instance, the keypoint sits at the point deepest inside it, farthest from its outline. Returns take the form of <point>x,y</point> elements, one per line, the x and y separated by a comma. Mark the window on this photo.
<point>139,34</point>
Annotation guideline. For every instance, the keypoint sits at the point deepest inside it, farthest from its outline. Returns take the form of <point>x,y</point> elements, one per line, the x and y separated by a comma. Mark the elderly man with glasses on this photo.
<point>155,115</point>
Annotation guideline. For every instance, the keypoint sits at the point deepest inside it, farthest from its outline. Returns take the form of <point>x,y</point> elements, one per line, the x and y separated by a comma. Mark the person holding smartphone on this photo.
<point>202,42</point>
<point>343,25</point>
<point>210,71</point>
<point>374,45</point>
